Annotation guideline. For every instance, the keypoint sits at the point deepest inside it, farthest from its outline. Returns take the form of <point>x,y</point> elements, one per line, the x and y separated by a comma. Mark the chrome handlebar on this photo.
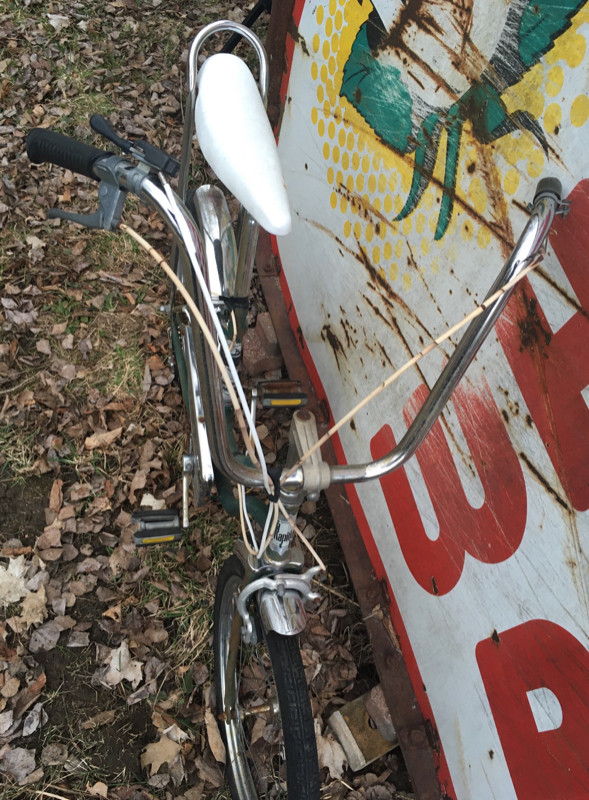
<point>117,176</point>
<point>546,204</point>
<point>530,243</point>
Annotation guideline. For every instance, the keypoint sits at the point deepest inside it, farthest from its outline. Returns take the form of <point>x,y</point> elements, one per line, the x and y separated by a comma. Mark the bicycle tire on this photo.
<point>282,761</point>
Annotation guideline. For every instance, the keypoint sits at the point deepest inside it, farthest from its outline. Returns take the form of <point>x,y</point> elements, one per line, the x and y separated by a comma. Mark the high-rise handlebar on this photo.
<point>47,146</point>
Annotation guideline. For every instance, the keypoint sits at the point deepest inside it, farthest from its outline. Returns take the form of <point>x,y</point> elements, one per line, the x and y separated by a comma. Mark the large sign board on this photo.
<point>412,136</point>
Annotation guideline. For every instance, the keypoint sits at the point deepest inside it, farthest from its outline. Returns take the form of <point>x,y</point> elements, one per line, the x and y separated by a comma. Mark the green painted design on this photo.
<point>407,123</point>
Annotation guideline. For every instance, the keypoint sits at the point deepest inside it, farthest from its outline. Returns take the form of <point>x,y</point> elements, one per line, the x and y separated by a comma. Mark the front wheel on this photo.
<point>268,734</point>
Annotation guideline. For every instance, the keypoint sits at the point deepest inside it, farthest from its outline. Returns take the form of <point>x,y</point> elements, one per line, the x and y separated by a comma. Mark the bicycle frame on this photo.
<point>205,380</point>
<point>304,479</point>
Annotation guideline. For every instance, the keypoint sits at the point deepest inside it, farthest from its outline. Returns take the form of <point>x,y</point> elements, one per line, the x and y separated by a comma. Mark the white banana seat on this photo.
<point>236,139</point>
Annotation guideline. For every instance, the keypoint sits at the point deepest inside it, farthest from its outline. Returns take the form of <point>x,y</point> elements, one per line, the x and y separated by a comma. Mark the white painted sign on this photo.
<point>412,139</point>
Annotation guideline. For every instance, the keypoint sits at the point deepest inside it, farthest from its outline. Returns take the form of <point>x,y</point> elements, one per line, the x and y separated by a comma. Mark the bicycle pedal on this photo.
<point>281,394</point>
<point>156,527</point>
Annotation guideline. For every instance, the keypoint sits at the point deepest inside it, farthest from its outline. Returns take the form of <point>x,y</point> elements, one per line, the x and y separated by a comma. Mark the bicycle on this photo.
<point>267,725</point>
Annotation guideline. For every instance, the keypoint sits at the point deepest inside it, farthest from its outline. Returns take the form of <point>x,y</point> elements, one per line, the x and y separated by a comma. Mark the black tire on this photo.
<point>282,760</point>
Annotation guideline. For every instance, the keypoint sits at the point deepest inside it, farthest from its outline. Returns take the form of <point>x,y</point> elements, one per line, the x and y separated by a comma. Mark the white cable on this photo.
<point>248,546</point>
<point>179,218</point>
<point>269,527</point>
<point>242,500</point>
<point>242,517</point>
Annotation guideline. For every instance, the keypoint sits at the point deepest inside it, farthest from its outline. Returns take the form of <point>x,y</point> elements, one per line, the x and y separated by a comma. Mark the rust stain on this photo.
<point>377,283</point>
<point>572,301</point>
<point>385,356</point>
<point>393,301</point>
<point>334,342</point>
<point>541,479</point>
<point>350,332</point>
<point>513,408</point>
<point>497,200</point>
<point>413,14</point>
<point>411,261</point>
<point>532,333</point>
<point>300,338</point>
<point>369,213</point>
<point>294,33</point>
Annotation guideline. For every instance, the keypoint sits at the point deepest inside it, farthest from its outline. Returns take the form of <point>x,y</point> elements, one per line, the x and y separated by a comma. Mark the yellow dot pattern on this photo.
<point>369,183</point>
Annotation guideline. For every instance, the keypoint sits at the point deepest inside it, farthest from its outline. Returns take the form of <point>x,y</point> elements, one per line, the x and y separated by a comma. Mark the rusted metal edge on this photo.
<point>416,736</point>
<point>278,28</point>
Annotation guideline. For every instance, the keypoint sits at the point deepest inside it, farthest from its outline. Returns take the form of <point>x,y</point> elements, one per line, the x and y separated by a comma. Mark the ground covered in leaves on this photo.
<point>105,662</point>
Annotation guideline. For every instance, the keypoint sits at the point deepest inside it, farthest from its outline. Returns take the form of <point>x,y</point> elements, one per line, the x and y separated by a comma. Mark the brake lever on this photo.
<point>143,151</point>
<point>111,199</point>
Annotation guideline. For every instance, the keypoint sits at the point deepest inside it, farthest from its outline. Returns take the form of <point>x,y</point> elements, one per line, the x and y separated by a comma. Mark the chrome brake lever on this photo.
<point>110,195</point>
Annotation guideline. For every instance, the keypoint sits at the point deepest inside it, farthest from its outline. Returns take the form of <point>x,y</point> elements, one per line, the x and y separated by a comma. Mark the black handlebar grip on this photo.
<point>44,146</point>
<point>548,186</point>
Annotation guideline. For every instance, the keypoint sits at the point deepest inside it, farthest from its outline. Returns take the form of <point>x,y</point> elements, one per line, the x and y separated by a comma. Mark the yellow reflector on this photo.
<point>294,402</point>
<point>157,539</point>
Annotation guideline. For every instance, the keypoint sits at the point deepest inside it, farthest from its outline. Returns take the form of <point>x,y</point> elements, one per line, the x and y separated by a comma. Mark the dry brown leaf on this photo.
<point>209,773</point>
<point>36,717</point>
<point>103,718</point>
<point>6,721</point>
<point>214,737</point>
<point>51,553</point>
<point>98,790</point>
<point>113,613</point>
<point>11,686</point>
<point>11,552</point>
<point>102,439</point>
<point>56,495</point>
<point>194,793</point>
<point>78,639</point>
<point>80,491</point>
<point>119,560</point>
<point>34,609</point>
<point>45,637</point>
<point>120,667</point>
<point>44,347</point>
<point>59,22</point>
<point>17,762</point>
<point>34,776</point>
<point>12,582</point>
<point>330,752</point>
<point>162,752</point>
<point>51,537</point>
<point>138,482</point>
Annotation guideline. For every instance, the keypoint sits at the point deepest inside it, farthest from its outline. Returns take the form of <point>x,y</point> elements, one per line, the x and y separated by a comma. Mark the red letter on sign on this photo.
<point>553,369</point>
<point>546,764</point>
<point>491,533</point>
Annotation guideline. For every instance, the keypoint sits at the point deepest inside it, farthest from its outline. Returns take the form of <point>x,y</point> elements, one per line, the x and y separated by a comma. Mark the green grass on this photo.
<point>17,454</point>
<point>188,612</point>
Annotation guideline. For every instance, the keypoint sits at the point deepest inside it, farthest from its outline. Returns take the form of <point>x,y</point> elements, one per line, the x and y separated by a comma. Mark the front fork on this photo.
<point>280,597</point>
